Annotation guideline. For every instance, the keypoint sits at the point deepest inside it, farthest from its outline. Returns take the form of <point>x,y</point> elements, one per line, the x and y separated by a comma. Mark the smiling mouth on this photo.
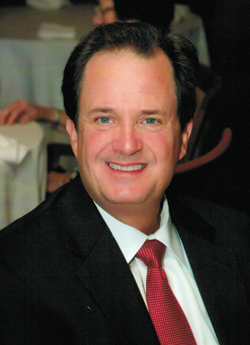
<point>135,167</point>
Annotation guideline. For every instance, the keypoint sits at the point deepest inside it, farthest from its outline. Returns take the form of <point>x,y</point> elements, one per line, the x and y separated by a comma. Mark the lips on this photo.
<point>135,167</point>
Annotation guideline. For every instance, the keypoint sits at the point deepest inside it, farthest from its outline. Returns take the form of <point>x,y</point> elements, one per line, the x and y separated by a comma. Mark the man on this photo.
<point>71,270</point>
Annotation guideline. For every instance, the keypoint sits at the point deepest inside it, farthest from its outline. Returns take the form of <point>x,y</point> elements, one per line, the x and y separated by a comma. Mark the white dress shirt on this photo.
<point>175,264</point>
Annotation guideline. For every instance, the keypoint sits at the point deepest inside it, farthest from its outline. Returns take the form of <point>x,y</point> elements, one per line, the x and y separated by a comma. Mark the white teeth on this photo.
<point>128,168</point>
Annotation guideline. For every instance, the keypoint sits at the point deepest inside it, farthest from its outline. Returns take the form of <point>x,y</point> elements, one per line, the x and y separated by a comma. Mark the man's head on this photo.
<point>144,39</point>
<point>122,91</point>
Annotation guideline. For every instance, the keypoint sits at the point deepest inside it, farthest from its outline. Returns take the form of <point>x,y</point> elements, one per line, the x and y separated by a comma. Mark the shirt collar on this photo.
<point>130,239</point>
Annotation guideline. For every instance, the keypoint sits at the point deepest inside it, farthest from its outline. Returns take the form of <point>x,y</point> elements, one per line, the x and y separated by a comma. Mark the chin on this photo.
<point>126,197</point>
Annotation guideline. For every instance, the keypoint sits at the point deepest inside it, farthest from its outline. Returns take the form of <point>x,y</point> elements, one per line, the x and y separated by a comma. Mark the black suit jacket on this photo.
<point>64,280</point>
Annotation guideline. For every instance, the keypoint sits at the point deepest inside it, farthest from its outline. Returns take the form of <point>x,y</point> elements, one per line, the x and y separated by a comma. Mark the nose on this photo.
<point>127,141</point>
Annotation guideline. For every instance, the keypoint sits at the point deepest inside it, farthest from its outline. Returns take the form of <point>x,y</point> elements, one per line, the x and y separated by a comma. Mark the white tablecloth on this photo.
<point>23,186</point>
<point>31,68</point>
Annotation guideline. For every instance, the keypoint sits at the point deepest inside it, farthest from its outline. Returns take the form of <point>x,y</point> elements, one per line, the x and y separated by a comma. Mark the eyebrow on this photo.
<point>111,110</point>
<point>151,112</point>
<point>101,110</point>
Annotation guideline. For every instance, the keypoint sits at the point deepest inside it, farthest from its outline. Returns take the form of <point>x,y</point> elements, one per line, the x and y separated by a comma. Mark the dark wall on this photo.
<point>226,180</point>
<point>9,3</point>
<point>232,19</point>
<point>12,3</point>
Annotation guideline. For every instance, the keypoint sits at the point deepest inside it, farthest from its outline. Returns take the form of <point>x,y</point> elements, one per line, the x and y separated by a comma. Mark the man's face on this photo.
<point>128,140</point>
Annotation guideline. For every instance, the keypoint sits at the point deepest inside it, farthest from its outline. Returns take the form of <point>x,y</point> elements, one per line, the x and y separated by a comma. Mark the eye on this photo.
<point>150,121</point>
<point>104,120</point>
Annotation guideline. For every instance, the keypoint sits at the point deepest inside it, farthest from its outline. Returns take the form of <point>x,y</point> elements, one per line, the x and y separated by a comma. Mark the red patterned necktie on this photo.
<point>168,318</point>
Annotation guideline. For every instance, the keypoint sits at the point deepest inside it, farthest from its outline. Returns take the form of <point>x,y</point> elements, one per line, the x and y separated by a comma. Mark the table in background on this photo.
<point>23,186</point>
<point>31,68</point>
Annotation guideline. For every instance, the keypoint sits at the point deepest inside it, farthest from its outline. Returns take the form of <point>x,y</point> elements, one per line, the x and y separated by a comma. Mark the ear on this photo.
<point>185,135</point>
<point>72,134</point>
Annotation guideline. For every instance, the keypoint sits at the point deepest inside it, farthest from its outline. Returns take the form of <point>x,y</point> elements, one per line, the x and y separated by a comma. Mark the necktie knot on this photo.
<point>151,253</point>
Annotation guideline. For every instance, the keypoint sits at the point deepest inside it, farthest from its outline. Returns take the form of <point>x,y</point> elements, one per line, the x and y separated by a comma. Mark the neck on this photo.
<point>145,218</point>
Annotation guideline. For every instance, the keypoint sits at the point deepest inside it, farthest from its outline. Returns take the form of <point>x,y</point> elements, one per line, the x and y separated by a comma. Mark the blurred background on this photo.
<point>227,180</point>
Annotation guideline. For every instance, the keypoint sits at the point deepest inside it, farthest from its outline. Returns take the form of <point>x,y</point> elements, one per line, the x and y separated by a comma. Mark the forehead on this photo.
<point>128,84</point>
<point>115,61</point>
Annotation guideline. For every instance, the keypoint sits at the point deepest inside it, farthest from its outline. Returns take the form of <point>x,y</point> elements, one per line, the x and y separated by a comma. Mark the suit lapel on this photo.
<point>216,272</point>
<point>105,273</point>
<point>115,291</point>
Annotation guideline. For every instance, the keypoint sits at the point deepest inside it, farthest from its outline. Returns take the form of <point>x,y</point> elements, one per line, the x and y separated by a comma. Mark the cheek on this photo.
<point>165,147</point>
<point>91,144</point>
